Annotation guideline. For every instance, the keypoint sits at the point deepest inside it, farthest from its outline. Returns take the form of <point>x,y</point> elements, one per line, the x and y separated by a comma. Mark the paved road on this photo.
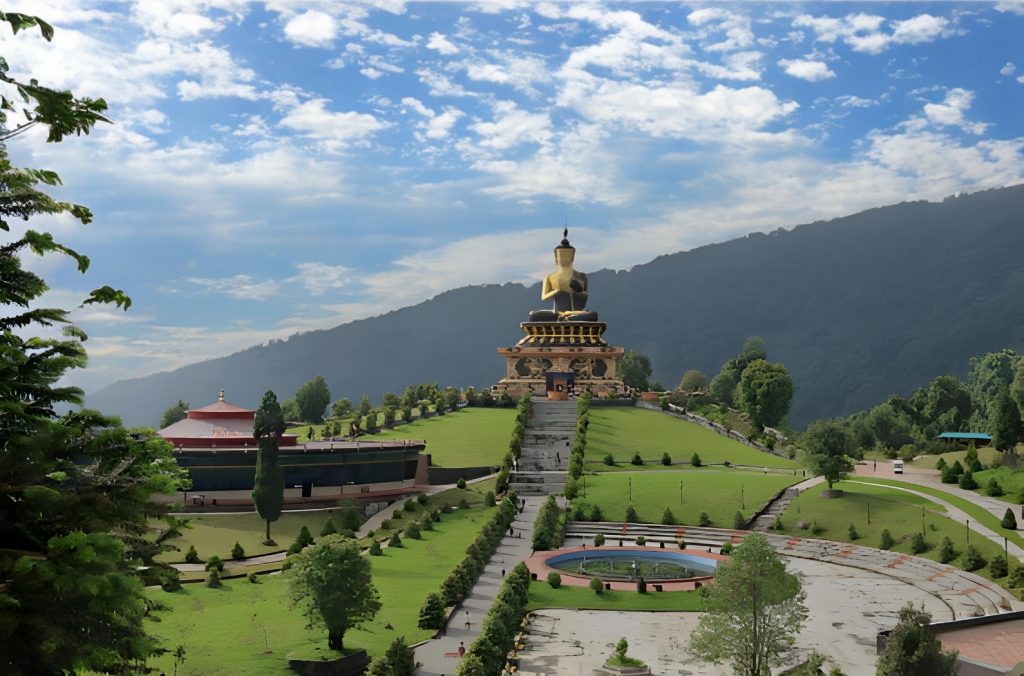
<point>440,656</point>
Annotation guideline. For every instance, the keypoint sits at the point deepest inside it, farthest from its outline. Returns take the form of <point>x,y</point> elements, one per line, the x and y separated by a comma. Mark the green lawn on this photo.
<point>1011,482</point>
<point>986,454</point>
<point>543,596</point>
<point>246,628</point>
<point>976,512</point>
<point>473,437</point>
<point>624,431</point>
<point>715,491</point>
<point>898,511</point>
<point>217,533</point>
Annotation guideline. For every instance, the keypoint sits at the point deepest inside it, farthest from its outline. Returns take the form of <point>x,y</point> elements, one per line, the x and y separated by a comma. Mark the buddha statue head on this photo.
<point>565,253</point>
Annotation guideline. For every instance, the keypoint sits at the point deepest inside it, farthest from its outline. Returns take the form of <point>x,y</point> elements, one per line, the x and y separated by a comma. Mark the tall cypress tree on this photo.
<point>268,487</point>
<point>1006,428</point>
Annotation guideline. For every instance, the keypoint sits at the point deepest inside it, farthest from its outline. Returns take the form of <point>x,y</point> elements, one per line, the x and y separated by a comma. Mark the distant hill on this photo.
<point>857,308</point>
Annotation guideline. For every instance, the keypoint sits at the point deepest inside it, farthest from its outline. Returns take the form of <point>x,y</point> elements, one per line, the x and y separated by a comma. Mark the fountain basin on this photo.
<point>672,569</point>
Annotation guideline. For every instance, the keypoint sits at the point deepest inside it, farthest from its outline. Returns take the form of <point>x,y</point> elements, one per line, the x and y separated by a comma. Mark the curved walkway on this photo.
<point>956,514</point>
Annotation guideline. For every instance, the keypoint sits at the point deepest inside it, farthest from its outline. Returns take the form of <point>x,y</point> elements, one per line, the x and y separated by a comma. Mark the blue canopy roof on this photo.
<point>966,435</point>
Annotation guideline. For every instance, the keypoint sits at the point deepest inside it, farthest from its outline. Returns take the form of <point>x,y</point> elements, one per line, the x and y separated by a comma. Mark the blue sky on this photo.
<point>278,166</point>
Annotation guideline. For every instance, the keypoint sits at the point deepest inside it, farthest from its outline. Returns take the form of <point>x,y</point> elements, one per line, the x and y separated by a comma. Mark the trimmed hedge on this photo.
<point>547,529</point>
<point>486,655</point>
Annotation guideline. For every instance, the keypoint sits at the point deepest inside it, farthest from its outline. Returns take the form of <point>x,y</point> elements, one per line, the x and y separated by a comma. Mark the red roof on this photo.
<point>221,407</point>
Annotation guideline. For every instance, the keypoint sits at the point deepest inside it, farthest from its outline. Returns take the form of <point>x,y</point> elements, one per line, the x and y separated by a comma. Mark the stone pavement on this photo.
<point>544,459</point>
<point>440,655</point>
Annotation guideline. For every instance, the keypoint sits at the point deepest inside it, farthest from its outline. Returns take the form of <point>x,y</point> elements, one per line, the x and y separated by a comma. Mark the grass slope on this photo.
<point>898,511</point>
<point>246,628</point>
<point>715,491</point>
<point>473,437</point>
<point>986,454</point>
<point>543,596</point>
<point>625,431</point>
<point>976,512</point>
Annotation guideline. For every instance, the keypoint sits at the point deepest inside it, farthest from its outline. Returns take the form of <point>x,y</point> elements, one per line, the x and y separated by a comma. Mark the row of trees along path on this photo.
<point>440,655</point>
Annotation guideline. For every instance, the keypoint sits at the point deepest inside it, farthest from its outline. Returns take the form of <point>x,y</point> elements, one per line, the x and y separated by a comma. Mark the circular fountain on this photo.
<point>627,564</point>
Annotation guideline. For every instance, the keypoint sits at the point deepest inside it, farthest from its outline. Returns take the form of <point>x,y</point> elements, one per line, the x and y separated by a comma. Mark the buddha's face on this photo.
<point>564,256</point>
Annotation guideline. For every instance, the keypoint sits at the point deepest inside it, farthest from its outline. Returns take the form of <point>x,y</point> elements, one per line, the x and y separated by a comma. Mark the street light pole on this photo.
<point>631,490</point>
<point>968,531</point>
<point>743,500</point>
<point>584,485</point>
<point>680,498</point>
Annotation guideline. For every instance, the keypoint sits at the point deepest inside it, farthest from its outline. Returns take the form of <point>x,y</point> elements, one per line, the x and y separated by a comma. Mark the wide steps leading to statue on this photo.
<point>544,458</point>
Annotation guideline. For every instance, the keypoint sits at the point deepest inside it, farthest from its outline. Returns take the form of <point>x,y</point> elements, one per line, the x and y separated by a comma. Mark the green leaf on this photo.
<point>107,294</point>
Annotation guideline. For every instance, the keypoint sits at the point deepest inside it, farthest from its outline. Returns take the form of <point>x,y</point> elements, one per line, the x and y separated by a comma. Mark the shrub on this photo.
<point>412,531</point>
<point>302,540</point>
<point>596,514</point>
<point>852,532</point>
<point>681,543</point>
<point>949,476</point>
<point>192,556</point>
<point>463,503</point>
<point>886,542</point>
<point>631,515</point>
<point>213,579</point>
<point>489,499</point>
<point>253,578</point>
<point>666,459</point>
<point>237,552</point>
<point>641,540</point>
<point>1009,520</point>
<point>727,548</point>
<point>941,464</point>
<point>328,528</point>
<point>777,524</point>
<point>571,488</point>
<point>704,519</point>
<point>422,499</point>
<point>214,563</point>
<point>446,509</point>
<point>967,481</point>
<point>739,522</point>
<point>461,483</point>
<point>435,516</point>
<point>395,541</point>
<point>599,540</point>
<point>385,524</point>
<point>972,558</point>
<point>636,459</point>
<point>917,543</point>
<point>409,506</point>
<point>596,585</point>
<point>427,523</point>
<point>998,566</point>
<point>432,612</point>
<point>946,551</point>
<point>817,529</point>
<point>375,549</point>
<point>726,463</point>
<point>1017,577</point>
<point>993,488</point>
<point>695,460</point>
<point>555,580</point>
<point>609,460</point>
<point>668,518</point>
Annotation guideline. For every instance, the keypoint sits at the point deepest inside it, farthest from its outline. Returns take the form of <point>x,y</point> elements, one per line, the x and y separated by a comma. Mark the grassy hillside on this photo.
<point>246,628</point>
<point>625,431</point>
<point>472,437</point>
<point>719,492</point>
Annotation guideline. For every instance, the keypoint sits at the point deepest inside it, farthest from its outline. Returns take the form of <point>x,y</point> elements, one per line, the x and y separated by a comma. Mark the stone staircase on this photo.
<point>544,460</point>
<point>776,507</point>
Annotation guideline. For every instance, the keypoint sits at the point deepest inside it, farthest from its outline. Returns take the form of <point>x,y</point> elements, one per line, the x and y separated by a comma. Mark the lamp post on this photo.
<point>743,500</point>
<point>922,520</point>
<point>584,485</point>
<point>869,511</point>
<point>630,490</point>
<point>680,498</point>
<point>968,531</point>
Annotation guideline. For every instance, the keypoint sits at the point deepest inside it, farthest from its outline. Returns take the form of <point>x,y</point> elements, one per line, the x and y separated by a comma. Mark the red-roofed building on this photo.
<point>219,424</point>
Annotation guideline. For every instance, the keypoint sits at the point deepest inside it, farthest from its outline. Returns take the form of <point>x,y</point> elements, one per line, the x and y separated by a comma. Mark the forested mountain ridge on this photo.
<point>857,308</point>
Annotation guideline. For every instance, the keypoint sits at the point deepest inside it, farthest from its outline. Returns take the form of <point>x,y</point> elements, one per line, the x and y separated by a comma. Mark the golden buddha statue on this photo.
<point>566,287</point>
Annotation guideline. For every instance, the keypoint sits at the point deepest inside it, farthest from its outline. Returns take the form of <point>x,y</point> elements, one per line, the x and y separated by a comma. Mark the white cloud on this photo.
<point>865,32</point>
<point>333,130</point>
<point>319,278</point>
<point>239,287</point>
<point>311,29</point>
<point>1008,69</point>
<point>439,43</point>
<point>738,34</point>
<point>511,126</point>
<point>807,69</point>
<point>1011,6</point>
<point>520,72</point>
<point>951,111</point>
<point>436,126</point>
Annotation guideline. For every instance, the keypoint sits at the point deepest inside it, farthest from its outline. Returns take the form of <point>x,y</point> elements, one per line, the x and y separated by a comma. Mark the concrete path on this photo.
<point>958,515</point>
<point>933,479</point>
<point>440,656</point>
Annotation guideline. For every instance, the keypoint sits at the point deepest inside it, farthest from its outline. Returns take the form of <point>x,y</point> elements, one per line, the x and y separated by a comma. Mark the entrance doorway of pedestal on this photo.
<point>560,384</point>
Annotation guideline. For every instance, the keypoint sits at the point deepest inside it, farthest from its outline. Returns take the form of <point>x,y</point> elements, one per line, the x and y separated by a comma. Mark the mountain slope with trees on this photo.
<point>856,308</point>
